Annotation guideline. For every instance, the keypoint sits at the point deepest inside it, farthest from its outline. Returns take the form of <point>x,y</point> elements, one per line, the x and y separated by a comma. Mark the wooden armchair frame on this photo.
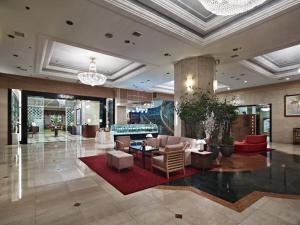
<point>173,161</point>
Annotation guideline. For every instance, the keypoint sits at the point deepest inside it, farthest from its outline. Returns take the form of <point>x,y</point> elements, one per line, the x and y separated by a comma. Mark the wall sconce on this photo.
<point>189,84</point>
<point>215,85</point>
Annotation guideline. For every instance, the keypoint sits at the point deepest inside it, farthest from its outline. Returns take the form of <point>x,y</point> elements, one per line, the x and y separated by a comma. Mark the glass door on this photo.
<point>264,120</point>
<point>35,119</point>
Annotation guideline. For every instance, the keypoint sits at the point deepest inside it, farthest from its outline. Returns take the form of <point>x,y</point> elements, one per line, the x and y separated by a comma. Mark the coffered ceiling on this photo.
<point>190,20</point>
<point>192,16</point>
<point>58,59</point>
<point>55,39</point>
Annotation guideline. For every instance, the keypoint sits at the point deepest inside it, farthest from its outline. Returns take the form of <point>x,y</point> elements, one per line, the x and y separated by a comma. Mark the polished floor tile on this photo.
<point>45,183</point>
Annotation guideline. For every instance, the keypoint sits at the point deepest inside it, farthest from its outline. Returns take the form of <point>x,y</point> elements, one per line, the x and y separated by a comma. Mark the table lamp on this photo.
<point>149,136</point>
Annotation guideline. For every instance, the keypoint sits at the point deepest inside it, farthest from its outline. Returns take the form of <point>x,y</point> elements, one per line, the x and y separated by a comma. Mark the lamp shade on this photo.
<point>149,136</point>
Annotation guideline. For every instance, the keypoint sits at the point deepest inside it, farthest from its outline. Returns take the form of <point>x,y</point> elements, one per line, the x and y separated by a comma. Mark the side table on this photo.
<point>202,160</point>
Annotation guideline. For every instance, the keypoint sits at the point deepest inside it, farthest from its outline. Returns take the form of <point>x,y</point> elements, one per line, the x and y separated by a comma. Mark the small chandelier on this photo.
<point>92,77</point>
<point>230,7</point>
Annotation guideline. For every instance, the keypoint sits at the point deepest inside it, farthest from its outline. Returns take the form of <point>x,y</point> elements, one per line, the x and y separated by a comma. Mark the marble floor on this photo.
<point>45,183</point>
<point>48,136</point>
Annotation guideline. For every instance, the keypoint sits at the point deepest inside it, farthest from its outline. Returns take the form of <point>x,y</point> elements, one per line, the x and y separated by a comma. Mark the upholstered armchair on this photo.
<point>252,143</point>
<point>123,143</point>
<point>170,160</point>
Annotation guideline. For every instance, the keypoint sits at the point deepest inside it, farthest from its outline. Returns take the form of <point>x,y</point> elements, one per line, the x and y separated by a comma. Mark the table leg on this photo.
<point>143,158</point>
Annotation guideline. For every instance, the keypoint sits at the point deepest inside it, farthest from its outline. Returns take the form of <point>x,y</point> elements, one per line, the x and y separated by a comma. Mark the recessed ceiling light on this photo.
<point>245,81</point>
<point>109,35</point>
<point>27,7</point>
<point>167,54</point>
<point>127,41</point>
<point>299,70</point>
<point>11,36</point>
<point>19,34</point>
<point>228,88</point>
<point>137,34</point>
<point>287,78</point>
<point>15,55</point>
<point>69,22</point>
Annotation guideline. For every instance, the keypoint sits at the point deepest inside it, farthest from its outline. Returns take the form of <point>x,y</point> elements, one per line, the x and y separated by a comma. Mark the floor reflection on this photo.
<point>25,167</point>
<point>274,172</point>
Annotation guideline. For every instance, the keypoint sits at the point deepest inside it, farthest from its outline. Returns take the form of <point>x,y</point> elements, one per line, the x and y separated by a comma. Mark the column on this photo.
<point>190,74</point>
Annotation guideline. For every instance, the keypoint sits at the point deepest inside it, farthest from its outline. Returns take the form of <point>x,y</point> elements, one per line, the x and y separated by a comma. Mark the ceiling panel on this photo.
<point>285,57</point>
<point>72,57</point>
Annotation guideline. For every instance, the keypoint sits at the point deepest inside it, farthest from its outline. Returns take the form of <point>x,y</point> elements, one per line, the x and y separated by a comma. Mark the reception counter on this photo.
<point>89,131</point>
<point>135,131</point>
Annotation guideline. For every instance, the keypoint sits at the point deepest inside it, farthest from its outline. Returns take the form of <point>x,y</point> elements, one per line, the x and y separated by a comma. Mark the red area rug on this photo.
<point>133,180</point>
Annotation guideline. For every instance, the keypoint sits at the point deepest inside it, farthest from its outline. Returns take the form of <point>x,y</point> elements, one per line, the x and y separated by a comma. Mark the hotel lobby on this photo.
<point>154,112</point>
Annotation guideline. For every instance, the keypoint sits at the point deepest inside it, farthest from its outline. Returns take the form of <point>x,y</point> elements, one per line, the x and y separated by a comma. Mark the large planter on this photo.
<point>215,150</point>
<point>227,150</point>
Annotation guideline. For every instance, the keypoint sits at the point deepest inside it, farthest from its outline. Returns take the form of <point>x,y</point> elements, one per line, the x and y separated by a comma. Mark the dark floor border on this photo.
<point>239,205</point>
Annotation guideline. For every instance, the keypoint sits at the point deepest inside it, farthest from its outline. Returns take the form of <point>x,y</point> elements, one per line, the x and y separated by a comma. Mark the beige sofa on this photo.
<point>164,140</point>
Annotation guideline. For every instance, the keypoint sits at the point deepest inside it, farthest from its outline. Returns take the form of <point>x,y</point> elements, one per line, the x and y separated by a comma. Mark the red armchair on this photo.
<point>252,143</point>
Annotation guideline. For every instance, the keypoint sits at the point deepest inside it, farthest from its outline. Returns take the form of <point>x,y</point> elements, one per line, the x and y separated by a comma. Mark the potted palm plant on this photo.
<point>229,116</point>
<point>192,110</point>
<point>227,146</point>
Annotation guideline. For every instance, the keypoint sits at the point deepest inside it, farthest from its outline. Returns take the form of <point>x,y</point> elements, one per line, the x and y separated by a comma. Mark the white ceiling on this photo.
<point>285,57</point>
<point>79,59</point>
<point>51,49</point>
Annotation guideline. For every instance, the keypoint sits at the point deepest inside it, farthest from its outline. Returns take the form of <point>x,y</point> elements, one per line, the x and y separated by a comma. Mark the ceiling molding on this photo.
<point>187,16</point>
<point>44,67</point>
<point>152,18</point>
<point>184,32</point>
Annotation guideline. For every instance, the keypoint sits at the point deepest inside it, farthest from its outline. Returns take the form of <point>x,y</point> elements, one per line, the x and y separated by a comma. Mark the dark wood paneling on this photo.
<point>51,86</point>
<point>89,131</point>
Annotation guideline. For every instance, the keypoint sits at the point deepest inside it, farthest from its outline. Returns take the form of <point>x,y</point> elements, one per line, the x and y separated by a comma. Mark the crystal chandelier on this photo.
<point>230,7</point>
<point>92,77</point>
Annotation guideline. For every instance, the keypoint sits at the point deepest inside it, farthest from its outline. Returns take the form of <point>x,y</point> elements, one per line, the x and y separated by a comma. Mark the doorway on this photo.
<point>51,117</point>
<point>253,120</point>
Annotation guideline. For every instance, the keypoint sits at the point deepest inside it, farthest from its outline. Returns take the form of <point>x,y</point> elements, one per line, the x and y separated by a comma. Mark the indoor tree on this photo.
<point>192,110</point>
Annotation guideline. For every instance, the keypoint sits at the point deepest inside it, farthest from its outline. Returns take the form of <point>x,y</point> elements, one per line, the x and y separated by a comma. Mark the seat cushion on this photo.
<point>161,149</point>
<point>241,147</point>
<point>174,147</point>
<point>158,160</point>
<point>162,140</point>
<point>255,139</point>
<point>192,142</point>
<point>172,140</point>
<point>154,142</point>
<point>124,139</point>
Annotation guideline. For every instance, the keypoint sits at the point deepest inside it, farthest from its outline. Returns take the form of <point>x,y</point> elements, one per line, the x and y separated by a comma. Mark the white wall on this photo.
<point>282,127</point>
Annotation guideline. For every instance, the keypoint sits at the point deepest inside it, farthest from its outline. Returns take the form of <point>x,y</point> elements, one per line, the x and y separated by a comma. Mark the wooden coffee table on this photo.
<point>202,159</point>
<point>144,150</point>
